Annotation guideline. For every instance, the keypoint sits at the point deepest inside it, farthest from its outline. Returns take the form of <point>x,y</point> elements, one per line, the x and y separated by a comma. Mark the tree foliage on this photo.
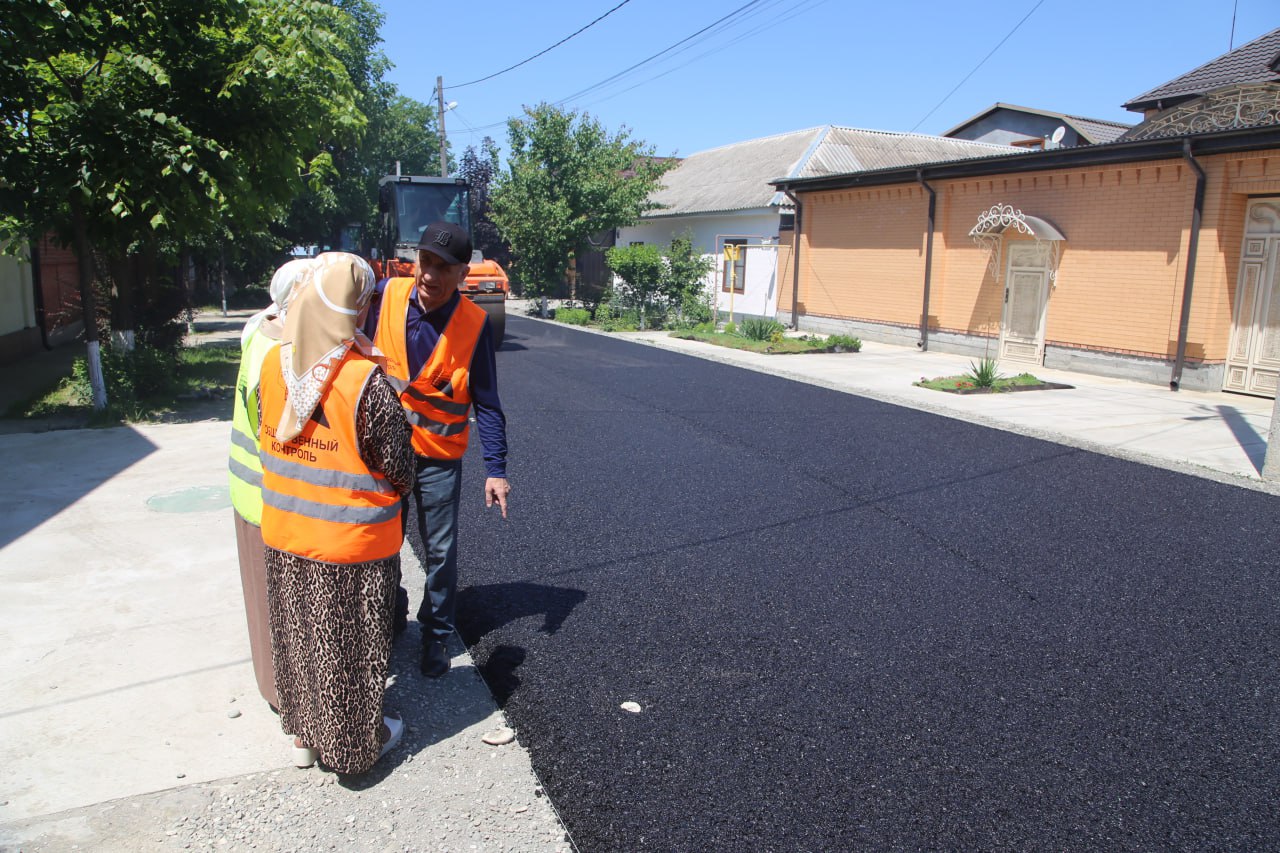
<point>155,136</point>
<point>161,117</point>
<point>480,169</point>
<point>567,178</point>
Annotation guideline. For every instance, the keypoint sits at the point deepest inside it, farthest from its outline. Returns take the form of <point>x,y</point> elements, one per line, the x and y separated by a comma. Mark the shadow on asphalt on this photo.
<point>487,608</point>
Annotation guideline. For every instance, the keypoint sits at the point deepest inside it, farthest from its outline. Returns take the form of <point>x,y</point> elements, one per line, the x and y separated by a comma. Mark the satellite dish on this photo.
<point>1058,134</point>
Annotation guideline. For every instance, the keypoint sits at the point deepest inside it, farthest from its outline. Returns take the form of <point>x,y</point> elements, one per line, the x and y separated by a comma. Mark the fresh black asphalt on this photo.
<point>855,626</point>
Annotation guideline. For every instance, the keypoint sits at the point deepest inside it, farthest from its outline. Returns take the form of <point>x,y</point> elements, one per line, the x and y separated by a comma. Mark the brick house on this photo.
<point>1155,257</point>
<point>721,197</point>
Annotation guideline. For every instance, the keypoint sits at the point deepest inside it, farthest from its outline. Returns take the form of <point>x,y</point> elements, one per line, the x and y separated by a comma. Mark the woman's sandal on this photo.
<point>395,728</point>
<point>303,757</point>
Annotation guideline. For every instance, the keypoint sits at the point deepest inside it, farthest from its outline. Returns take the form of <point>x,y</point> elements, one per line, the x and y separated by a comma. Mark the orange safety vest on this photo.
<point>438,399</point>
<point>319,498</point>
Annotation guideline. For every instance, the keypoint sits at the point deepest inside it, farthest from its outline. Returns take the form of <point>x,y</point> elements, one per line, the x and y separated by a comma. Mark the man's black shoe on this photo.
<point>435,660</point>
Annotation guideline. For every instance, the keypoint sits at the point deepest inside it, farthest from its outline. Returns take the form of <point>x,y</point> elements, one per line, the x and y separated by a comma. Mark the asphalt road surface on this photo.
<point>854,626</point>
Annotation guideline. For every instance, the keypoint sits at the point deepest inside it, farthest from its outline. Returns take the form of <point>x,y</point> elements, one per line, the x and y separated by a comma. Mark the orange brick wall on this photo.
<point>863,255</point>
<point>1122,268</point>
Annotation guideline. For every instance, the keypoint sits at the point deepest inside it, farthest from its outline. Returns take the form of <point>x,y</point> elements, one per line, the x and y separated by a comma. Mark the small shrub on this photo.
<point>983,374</point>
<point>730,328</point>
<point>573,316</point>
<point>615,320</point>
<point>848,343</point>
<point>759,328</point>
<point>776,337</point>
<point>130,377</point>
<point>707,327</point>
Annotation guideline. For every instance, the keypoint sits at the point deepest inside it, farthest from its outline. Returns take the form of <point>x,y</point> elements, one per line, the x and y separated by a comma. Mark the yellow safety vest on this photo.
<point>245,467</point>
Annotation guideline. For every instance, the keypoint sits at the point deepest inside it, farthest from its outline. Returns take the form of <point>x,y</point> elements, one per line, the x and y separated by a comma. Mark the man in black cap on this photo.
<point>440,360</point>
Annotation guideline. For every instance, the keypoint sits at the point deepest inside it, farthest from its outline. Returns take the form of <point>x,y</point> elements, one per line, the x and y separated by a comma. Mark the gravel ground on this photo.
<point>442,789</point>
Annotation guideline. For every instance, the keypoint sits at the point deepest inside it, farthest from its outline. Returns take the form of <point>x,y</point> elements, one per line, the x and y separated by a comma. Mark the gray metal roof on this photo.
<point>736,177</point>
<point>1094,130</point>
<point>1255,62</point>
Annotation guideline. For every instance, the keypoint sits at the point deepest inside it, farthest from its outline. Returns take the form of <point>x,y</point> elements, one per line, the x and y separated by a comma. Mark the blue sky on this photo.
<point>783,65</point>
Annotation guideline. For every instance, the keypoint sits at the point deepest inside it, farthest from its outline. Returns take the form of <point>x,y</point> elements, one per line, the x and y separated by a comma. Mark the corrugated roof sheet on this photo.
<point>1254,62</point>
<point>848,149</point>
<point>736,177</point>
<point>732,177</point>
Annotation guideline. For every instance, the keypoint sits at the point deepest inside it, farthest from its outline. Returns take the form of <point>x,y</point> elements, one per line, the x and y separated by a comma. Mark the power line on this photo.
<point>665,50</point>
<point>612,78</point>
<point>541,52</point>
<point>797,10</point>
<point>979,65</point>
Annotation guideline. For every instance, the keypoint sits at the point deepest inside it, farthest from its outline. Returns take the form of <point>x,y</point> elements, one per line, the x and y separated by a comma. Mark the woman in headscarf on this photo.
<point>336,458</point>
<point>260,335</point>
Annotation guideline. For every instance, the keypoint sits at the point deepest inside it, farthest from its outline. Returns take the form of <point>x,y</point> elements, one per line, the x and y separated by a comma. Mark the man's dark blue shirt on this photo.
<point>422,333</point>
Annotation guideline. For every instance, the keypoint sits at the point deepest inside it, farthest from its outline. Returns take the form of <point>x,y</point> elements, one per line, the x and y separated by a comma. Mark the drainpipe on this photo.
<point>1185,320</point>
<point>795,261</point>
<point>923,343</point>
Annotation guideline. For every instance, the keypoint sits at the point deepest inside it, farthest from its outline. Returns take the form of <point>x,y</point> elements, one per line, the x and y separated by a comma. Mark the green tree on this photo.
<point>400,131</point>
<point>479,169</point>
<point>567,178</point>
<point>132,128</point>
<point>642,270</point>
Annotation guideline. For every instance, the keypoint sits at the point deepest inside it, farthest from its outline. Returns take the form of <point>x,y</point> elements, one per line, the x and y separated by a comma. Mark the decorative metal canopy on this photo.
<point>1227,108</point>
<point>990,229</point>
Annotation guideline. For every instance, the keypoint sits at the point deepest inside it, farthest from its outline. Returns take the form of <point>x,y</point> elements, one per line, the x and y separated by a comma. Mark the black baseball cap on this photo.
<point>448,241</point>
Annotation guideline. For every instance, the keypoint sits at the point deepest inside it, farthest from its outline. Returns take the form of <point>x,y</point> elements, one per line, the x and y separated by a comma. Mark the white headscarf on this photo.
<point>283,281</point>
<point>319,328</point>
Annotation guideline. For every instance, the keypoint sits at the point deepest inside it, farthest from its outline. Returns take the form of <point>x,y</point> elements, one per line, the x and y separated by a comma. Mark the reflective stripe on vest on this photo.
<point>243,466</point>
<point>330,479</point>
<point>250,477</point>
<point>438,400</point>
<point>320,500</point>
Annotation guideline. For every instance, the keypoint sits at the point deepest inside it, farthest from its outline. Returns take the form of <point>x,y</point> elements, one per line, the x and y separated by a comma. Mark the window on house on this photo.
<point>737,276</point>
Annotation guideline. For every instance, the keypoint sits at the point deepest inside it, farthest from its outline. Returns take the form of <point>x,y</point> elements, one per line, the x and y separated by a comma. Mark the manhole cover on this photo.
<point>194,499</point>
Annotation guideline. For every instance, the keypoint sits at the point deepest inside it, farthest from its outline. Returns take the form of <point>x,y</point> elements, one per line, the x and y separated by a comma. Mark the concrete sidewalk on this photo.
<point>131,717</point>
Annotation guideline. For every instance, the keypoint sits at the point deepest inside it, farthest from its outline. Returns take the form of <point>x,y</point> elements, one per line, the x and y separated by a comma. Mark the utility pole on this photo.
<point>444,147</point>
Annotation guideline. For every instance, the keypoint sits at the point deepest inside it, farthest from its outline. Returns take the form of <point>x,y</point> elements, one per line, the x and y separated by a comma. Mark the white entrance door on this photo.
<point>1253,359</point>
<point>1026,296</point>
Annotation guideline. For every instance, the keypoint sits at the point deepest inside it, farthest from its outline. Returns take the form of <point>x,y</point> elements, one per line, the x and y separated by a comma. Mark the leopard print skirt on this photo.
<point>330,643</point>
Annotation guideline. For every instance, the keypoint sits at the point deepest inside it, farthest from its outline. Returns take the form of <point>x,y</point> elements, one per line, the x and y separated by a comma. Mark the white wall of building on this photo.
<point>17,298</point>
<point>760,294</point>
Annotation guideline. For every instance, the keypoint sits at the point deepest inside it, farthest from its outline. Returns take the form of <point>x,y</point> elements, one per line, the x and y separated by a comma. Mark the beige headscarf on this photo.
<point>283,282</point>
<point>319,328</point>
